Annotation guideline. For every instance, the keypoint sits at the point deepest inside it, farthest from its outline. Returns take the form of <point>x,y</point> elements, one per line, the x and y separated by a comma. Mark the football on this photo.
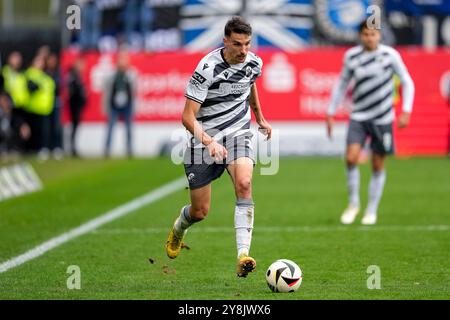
<point>284,276</point>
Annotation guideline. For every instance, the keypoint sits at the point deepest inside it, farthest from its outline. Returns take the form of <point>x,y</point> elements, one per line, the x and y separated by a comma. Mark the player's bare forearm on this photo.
<point>255,105</point>
<point>190,122</point>
<point>192,125</point>
<point>256,108</point>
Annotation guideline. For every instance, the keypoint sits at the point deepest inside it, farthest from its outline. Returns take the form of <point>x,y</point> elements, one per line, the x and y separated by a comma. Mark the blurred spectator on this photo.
<point>55,130</point>
<point>91,21</point>
<point>138,13</point>
<point>15,84</point>
<point>119,99</point>
<point>44,52</point>
<point>13,130</point>
<point>40,105</point>
<point>77,99</point>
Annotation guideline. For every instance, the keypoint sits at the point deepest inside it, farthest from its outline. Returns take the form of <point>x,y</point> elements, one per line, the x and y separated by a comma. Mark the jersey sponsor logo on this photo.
<point>205,66</point>
<point>371,70</point>
<point>226,74</point>
<point>233,88</point>
<point>195,83</point>
<point>197,76</point>
<point>371,67</point>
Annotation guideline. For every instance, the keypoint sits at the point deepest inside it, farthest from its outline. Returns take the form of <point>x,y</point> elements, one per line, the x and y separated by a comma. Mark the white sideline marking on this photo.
<point>279,229</point>
<point>93,224</point>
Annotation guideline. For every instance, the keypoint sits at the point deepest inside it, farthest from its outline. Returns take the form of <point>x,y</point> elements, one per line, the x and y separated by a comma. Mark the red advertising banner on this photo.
<point>294,87</point>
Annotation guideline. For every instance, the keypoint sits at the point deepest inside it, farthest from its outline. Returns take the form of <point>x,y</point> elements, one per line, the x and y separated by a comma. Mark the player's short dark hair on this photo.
<point>238,25</point>
<point>363,26</point>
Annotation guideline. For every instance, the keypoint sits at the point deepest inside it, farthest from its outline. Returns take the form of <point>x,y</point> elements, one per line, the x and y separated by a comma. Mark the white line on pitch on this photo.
<point>93,224</point>
<point>280,229</point>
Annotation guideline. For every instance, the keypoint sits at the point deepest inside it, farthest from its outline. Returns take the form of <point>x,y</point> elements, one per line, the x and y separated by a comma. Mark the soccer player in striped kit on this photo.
<point>219,97</point>
<point>371,66</point>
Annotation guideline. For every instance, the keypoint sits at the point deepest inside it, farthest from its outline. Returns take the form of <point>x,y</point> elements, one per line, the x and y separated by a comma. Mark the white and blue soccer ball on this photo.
<point>284,276</point>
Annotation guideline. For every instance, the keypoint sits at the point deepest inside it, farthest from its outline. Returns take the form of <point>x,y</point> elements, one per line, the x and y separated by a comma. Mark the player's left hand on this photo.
<point>403,120</point>
<point>266,128</point>
<point>329,122</point>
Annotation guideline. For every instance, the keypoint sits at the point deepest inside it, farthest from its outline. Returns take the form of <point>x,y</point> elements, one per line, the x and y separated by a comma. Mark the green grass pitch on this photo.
<point>296,217</point>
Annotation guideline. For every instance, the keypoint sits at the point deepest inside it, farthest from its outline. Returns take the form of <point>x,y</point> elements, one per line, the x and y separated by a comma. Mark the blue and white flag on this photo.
<point>284,24</point>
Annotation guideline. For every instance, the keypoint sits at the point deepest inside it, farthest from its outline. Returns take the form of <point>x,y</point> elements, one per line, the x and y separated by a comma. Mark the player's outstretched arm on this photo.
<point>256,107</point>
<point>190,122</point>
<point>407,89</point>
<point>337,95</point>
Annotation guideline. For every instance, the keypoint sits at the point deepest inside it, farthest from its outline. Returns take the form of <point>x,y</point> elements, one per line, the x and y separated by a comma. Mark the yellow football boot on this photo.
<point>245,265</point>
<point>173,245</point>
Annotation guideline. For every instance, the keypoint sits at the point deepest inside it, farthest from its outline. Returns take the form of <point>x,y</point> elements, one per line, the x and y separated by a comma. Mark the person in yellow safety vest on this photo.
<point>15,81</point>
<point>42,88</point>
<point>40,103</point>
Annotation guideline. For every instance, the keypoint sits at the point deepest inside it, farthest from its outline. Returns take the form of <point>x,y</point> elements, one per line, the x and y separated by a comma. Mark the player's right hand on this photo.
<point>329,126</point>
<point>217,151</point>
<point>403,120</point>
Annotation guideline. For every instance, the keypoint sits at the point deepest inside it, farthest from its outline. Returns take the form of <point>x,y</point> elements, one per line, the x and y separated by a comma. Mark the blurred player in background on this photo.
<point>77,99</point>
<point>371,66</point>
<point>217,113</point>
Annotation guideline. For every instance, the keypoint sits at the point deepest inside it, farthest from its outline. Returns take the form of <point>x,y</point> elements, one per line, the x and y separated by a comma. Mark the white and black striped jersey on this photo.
<point>373,86</point>
<point>223,90</point>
